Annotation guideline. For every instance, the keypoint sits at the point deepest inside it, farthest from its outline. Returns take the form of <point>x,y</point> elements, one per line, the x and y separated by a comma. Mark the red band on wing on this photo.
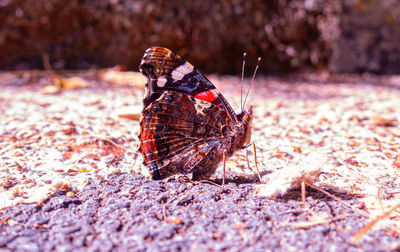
<point>208,96</point>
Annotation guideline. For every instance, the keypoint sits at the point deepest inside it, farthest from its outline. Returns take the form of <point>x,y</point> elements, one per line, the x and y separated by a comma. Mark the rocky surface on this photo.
<point>71,177</point>
<point>130,212</point>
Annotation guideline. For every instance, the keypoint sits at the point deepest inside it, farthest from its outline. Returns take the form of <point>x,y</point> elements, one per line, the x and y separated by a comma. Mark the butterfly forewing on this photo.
<point>167,71</point>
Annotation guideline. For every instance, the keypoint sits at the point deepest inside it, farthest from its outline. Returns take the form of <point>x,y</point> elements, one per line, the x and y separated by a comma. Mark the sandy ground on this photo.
<point>344,127</point>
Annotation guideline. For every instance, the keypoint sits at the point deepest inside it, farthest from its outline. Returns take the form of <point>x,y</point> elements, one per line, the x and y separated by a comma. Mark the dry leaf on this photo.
<point>70,194</point>
<point>120,78</point>
<point>296,149</point>
<point>306,169</point>
<point>135,116</point>
<point>60,185</point>
<point>70,83</point>
<point>381,121</point>
<point>83,170</point>
<point>51,89</point>
<point>132,113</point>
<point>67,154</point>
<point>176,221</point>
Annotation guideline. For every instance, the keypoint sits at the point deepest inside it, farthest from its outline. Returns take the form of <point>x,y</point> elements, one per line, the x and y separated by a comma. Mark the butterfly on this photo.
<point>186,125</point>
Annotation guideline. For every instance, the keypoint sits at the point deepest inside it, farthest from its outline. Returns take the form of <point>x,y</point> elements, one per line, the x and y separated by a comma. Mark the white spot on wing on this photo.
<point>181,71</point>
<point>161,82</point>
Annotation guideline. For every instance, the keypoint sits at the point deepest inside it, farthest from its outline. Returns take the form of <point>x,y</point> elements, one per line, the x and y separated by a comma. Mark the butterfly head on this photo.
<point>244,130</point>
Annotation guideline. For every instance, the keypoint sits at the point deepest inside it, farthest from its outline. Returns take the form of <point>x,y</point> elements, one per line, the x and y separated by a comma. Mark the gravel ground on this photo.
<point>131,212</point>
<point>71,177</point>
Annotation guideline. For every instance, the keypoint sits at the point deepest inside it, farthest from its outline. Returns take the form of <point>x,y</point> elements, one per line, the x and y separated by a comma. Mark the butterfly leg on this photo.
<point>255,161</point>
<point>223,176</point>
<point>247,159</point>
<point>247,155</point>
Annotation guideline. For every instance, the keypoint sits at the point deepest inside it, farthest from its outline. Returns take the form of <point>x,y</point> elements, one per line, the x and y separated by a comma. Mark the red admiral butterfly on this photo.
<point>186,125</point>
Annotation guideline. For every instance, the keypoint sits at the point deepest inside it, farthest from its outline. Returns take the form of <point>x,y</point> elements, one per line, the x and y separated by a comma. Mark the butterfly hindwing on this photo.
<point>178,131</point>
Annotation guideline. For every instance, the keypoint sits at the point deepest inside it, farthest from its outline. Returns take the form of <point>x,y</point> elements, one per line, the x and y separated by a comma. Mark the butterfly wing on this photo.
<point>186,124</point>
<point>166,71</point>
<point>180,134</point>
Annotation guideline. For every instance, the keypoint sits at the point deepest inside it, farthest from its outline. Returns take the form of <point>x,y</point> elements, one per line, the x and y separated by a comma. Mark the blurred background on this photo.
<point>352,36</point>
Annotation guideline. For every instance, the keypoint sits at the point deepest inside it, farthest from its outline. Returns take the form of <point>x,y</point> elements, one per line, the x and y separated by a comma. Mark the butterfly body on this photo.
<point>186,125</point>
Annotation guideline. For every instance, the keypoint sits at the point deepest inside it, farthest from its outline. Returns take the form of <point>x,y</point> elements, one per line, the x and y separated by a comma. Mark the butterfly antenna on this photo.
<point>241,81</point>
<point>252,80</point>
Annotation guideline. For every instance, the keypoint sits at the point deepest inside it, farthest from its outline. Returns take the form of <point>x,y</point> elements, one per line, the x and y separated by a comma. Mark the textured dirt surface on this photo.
<point>132,212</point>
<point>73,162</point>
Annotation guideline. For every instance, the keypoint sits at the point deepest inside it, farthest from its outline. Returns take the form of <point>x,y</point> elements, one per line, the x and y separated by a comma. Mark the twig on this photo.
<point>46,62</point>
<point>311,223</point>
<point>367,227</point>
<point>164,214</point>
<point>7,149</point>
<point>303,194</point>
<point>303,199</point>
<point>338,199</point>
<point>2,221</point>
<point>223,177</point>
<point>379,196</point>
<point>207,181</point>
